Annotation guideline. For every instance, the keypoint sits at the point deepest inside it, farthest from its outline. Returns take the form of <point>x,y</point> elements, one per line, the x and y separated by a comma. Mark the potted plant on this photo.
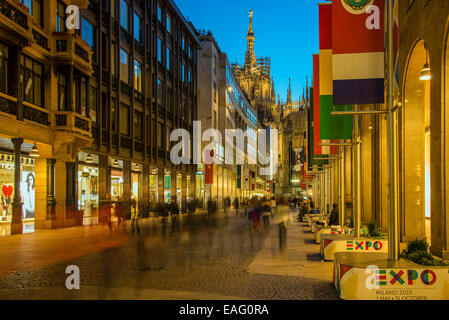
<point>418,252</point>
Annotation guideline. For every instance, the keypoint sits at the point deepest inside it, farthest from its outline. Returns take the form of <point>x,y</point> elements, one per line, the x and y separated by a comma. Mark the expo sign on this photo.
<point>382,277</point>
<point>363,245</point>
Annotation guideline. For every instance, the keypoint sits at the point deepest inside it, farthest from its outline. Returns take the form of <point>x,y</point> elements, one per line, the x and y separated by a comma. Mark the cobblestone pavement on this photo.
<point>203,256</point>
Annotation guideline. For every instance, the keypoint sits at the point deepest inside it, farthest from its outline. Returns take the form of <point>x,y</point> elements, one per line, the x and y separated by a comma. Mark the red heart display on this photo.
<point>7,191</point>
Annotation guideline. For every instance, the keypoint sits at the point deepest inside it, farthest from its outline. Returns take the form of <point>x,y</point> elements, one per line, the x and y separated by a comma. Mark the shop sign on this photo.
<point>373,283</point>
<point>363,245</point>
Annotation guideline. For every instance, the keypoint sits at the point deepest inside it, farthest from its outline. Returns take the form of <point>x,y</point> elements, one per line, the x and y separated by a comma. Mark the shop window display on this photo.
<point>27,192</point>
<point>88,187</point>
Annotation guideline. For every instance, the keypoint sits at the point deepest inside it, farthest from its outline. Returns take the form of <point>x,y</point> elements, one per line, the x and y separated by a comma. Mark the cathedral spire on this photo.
<point>250,57</point>
<point>289,96</point>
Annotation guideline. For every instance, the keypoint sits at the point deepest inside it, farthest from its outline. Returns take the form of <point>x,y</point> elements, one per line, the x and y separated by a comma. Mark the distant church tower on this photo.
<point>255,79</point>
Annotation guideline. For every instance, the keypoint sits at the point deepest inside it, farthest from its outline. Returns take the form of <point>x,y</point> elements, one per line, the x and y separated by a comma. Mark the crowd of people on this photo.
<point>261,211</point>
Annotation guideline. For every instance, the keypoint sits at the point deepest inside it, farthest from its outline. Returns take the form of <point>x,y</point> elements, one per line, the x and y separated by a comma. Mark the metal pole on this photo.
<point>393,231</point>
<point>323,195</point>
<point>355,179</point>
<point>341,189</point>
<point>358,113</point>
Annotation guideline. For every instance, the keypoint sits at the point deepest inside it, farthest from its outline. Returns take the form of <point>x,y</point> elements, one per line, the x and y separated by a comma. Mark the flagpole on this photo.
<point>393,231</point>
<point>341,184</point>
<point>355,175</point>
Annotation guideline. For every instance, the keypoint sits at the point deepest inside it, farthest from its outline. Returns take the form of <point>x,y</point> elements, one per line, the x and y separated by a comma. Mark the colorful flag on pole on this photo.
<point>311,136</point>
<point>332,127</point>
<point>318,149</point>
<point>358,46</point>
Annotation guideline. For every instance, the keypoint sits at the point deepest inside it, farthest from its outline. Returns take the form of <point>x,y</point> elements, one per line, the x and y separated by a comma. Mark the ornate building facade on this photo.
<point>255,79</point>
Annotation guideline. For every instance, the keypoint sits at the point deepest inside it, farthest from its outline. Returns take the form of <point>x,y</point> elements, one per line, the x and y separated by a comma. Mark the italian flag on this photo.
<point>332,127</point>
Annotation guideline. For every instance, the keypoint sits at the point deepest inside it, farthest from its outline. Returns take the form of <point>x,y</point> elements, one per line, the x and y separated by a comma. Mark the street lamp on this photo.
<point>34,153</point>
<point>425,73</point>
<point>89,159</point>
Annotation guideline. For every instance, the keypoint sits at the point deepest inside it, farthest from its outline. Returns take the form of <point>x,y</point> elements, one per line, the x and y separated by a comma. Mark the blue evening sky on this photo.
<point>285,30</point>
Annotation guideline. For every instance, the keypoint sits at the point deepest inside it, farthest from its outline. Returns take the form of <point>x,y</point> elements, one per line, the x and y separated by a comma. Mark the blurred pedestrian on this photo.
<point>134,216</point>
<point>266,213</point>
<point>333,220</point>
<point>236,205</point>
<point>119,212</point>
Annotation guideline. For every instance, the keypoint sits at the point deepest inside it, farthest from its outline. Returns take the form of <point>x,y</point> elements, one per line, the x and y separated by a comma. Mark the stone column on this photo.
<point>145,190</point>
<point>127,188</point>
<point>16,223</point>
<point>160,184</point>
<point>173,186</point>
<point>51,199</point>
<point>184,194</point>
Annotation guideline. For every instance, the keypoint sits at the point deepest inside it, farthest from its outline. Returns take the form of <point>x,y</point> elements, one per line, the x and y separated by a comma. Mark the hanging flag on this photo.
<point>358,44</point>
<point>331,127</point>
<point>311,136</point>
<point>317,147</point>
<point>396,45</point>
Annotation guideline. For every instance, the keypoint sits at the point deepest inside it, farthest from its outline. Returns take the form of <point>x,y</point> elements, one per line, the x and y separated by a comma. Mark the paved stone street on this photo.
<point>201,258</point>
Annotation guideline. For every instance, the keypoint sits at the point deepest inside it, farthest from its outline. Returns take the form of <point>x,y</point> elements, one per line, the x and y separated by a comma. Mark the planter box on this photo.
<point>333,243</point>
<point>371,276</point>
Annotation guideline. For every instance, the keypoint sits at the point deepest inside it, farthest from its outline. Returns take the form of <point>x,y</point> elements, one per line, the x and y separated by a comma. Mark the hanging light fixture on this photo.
<point>116,163</point>
<point>425,73</point>
<point>89,159</point>
<point>34,153</point>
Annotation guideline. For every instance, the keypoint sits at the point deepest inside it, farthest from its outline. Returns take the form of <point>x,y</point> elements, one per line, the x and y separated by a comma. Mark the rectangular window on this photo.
<point>215,64</point>
<point>137,76</point>
<point>62,89</point>
<point>83,97</point>
<point>137,27</point>
<point>124,12</point>
<point>169,23</point>
<point>31,72</point>
<point>124,66</point>
<point>88,35</point>
<point>169,100</point>
<point>168,59</point>
<point>113,59</point>
<point>167,137</point>
<point>60,16</point>
<point>124,120</point>
<point>4,58</point>
<point>183,73</point>
<point>113,126</point>
<point>93,107</point>
<point>160,92</point>
<point>159,50</point>
<point>35,7</point>
<point>112,8</point>
<point>159,12</point>
<point>138,127</point>
<point>160,135</point>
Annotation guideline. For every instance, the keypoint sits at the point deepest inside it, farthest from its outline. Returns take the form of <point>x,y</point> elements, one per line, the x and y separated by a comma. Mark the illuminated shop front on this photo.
<point>178,190</point>
<point>153,189</point>
<point>27,192</point>
<point>136,184</point>
<point>116,169</point>
<point>167,187</point>
<point>88,187</point>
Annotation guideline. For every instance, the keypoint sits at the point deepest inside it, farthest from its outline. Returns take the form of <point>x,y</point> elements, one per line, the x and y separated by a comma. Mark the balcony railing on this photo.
<point>14,11</point>
<point>125,142</point>
<point>41,38</point>
<point>69,46</point>
<point>73,122</point>
<point>8,104</point>
<point>36,114</point>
